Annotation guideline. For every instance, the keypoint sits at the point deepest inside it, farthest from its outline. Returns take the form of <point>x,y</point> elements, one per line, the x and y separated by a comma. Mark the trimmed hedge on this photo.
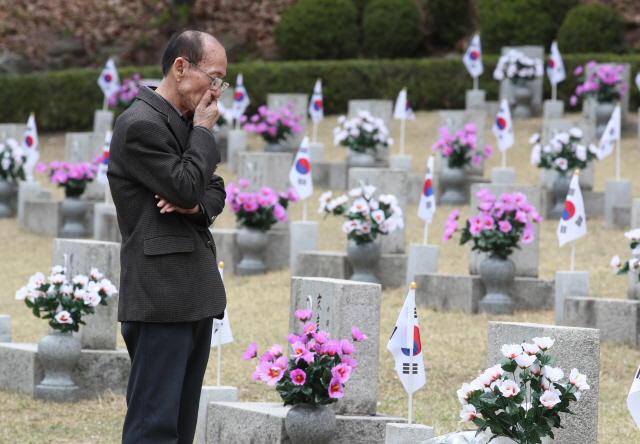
<point>391,28</point>
<point>449,21</point>
<point>592,28</point>
<point>66,100</point>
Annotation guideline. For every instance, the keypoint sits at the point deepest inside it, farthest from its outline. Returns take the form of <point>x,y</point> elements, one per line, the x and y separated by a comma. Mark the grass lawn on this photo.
<point>454,344</point>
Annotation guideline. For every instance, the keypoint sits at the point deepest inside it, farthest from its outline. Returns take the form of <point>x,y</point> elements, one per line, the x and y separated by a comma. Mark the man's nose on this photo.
<point>216,92</point>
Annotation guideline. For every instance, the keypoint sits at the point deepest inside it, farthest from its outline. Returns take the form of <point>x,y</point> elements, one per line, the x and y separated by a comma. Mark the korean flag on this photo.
<point>104,164</point>
<point>427,206</point>
<point>240,100</point>
<point>300,173</point>
<point>221,328</point>
<point>109,80</point>
<point>503,127</point>
<point>555,68</point>
<point>402,110</point>
<point>472,59</point>
<point>316,106</point>
<point>610,136</point>
<point>573,223</point>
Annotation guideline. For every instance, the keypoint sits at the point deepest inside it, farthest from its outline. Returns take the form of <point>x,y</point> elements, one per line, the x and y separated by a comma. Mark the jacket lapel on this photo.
<point>176,125</point>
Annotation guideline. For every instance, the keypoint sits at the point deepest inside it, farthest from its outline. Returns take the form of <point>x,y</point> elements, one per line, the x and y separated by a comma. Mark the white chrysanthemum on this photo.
<point>544,343</point>
<point>95,274</point>
<point>575,132</point>
<point>525,361</point>
<point>64,317</point>
<point>511,350</point>
<point>509,388</point>
<point>549,399</point>
<point>553,374</point>
<point>22,294</point>
<point>92,299</point>
<point>535,138</point>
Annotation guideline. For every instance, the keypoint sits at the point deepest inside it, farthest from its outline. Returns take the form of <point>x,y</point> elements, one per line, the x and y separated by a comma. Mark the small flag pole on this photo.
<point>105,103</point>
<point>221,266</point>
<point>475,83</point>
<point>304,210</point>
<point>403,121</point>
<point>573,254</point>
<point>618,148</point>
<point>504,159</point>
<point>106,193</point>
<point>314,138</point>
<point>426,233</point>
<point>411,340</point>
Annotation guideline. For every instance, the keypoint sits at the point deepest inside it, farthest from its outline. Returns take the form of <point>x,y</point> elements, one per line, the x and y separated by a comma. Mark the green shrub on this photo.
<point>520,22</point>
<point>592,28</point>
<point>318,30</point>
<point>391,28</point>
<point>449,21</point>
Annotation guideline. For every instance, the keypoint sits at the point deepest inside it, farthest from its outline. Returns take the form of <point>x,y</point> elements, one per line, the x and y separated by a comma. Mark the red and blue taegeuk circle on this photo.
<point>302,166</point>
<point>569,210</point>
<point>417,345</point>
<point>29,141</point>
<point>474,55</point>
<point>317,105</point>
<point>108,78</point>
<point>238,96</point>
<point>552,63</point>
<point>427,189</point>
<point>501,123</point>
<point>105,158</point>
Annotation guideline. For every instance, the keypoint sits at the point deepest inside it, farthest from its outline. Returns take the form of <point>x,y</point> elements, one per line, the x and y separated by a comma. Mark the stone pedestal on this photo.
<point>207,395</point>
<point>304,237</point>
<point>456,120</point>
<point>382,109</point>
<point>617,193</point>
<point>337,306</point>
<point>42,216</point>
<point>237,143</point>
<point>263,169</point>
<point>101,329</point>
<point>401,162</point>
<point>569,283</point>
<point>329,175</point>
<point>300,104</point>
<point>99,210</point>
<point>5,328</point>
<point>507,88</point>
<point>505,176</point>
<point>83,147</point>
<point>552,109</point>
<point>574,348</point>
<point>422,259</point>
<point>28,191</point>
<point>474,99</point>
<point>102,121</point>
<point>407,434</point>
<point>12,131</point>
<point>316,152</point>
<point>617,319</point>
<point>275,255</point>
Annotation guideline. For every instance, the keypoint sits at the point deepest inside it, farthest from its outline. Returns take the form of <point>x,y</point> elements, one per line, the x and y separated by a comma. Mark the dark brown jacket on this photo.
<point>168,263</point>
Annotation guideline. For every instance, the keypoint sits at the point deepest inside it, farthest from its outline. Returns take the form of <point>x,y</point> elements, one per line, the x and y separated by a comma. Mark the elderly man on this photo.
<point>161,166</point>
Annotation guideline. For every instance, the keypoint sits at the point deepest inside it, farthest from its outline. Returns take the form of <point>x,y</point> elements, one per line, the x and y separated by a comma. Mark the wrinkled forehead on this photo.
<point>214,60</point>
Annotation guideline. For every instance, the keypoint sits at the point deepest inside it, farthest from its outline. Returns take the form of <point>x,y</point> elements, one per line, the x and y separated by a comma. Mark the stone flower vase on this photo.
<point>560,188</point>
<point>362,160</point>
<point>452,181</point>
<point>310,424</point>
<point>58,353</point>
<point>523,96</point>
<point>274,147</point>
<point>6,189</point>
<point>603,114</point>
<point>497,275</point>
<point>364,258</point>
<point>252,243</point>
<point>74,211</point>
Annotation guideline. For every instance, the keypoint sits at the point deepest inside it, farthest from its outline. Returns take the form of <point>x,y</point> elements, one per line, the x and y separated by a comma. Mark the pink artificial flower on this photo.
<point>320,337</point>
<point>506,198</point>
<point>261,127</point>
<point>470,128</point>
<point>300,351</point>
<point>336,390</point>
<point>262,110</point>
<point>297,338</point>
<point>477,159</point>
<point>250,206</point>
<point>267,357</point>
<point>347,347</point>
<point>41,168</point>
<point>488,151</point>
<point>330,348</point>
<point>352,363</point>
<point>488,223</point>
<point>485,206</point>
<point>304,315</point>
<point>535,216</point>
<point>296,128</point>
<point>341,372</point>
<point>444,133</point>
<point>243,119</point>
<point>279,213</point>
<point>308,328</point>
<point>592,64</point>
<point>276,350</point>
<point>298,377</point>
<point>271,374</point>
<point>243,183</point>
<point>521,217</point>
<point>357,335</point>
<point>578,70</point>
<point>252,352</point>
<point>505,226</point>
<point>273,131</point>
<point>292,195</point>
<point>527,236</point>
<point>475,228</point>
<point>447,151</point>
<point>235,207</point>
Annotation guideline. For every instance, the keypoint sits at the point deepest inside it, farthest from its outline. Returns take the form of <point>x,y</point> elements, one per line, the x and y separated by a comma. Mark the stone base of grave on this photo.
<point>96,371</point>
<point>28,191</point>
<point>422,259</point>
<point>401,162</point>
<point>304,237</point>
<point>390,271</point>
<point>569,283</point>
<point>275,256</point>
<point>44,216</point>
<point>58,394</point>
<point>212,394</point>
<point>593,203</point>
<point>99,210</point>
<point>621,216</point>
<point>475,99</point>
<point>506,176</point>
<point>316,152</point>
<point>5,328</point>
<point>552,109</point>
<point>329,175</point>
<point>109,231</point>
<point>617,319</point>
<point>617,194</point>
<point>253,422</point>
<point>450,292</point>
<point>102,121</point>
<point>415,183</point>
<point>470,180</point>
<point>407,434</point>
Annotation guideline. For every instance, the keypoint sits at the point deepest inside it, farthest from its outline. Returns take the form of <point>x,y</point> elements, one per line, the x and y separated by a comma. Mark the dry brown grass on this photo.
<point>454,343</point>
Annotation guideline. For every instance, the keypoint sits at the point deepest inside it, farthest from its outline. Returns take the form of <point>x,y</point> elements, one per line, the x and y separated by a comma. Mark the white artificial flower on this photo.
<point>355,192</point>
<point>93,287</point>
<point>509,388</point>
<point>476,385</point>
<point>365,228</point>
<point>511,350</point>
<point>593,149</point>
<point>81,280</point>
<point>348,226</point>
<point>368,191</point>
<point>536,156</point>
<point>581,153</point>
<point>556,145</point>
<point>498,74</point>
<point>378,216</point>
<point>13,143</point>
<point>390,141</point>
<point>535,369</point>
<point>544,382</point>
<point>547,148</point>
<point>575,132</point>
<point>530,349</point>
<point>494,372</point>
<point>544,343</point>
<point>497,383</point>
<point>36,280</point>
<point>388,199</point>
<point>22,294</point>
<point>92,299</point>
<point>108,287</point>
<point>553,374</point>
<point>463,393</point>
<point>468,413</point>
<point>368,127</point>
<point>398,220</point>
<point>525,361</point>
<point>64,317</point>
<point>58,269</point>
<point>354,132</point>
<point>561,163</point>
<point>615,263</point>
<point>336,130</point>
<point>526,406</point>
<point>66,289</point>
<point>523,73</point>
<point>549,399</point>
<point>634,264</point>
<point>535,138</point>
<point>342,119</point>
<point>95,274</point>
<point>360,206</point>
<point>373,204</point>
<point>578,380</point>
<point>80,293</point>
<point>58,279</point>
<point>633,234</point>
<point>512,70</point>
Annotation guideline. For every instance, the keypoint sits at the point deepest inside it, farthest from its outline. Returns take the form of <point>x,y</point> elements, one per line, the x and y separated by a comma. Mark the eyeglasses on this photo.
<point>216,83</point>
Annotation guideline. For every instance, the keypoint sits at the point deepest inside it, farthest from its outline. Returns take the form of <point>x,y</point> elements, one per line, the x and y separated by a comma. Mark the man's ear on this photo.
<point>179,68</point>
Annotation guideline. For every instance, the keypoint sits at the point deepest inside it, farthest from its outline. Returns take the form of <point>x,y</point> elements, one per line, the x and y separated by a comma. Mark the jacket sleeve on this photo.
<point>151,157</point>
<point>212,203</point>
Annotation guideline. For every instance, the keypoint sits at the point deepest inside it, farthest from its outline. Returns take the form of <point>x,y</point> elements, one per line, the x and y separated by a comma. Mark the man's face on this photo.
<point>194,83</point>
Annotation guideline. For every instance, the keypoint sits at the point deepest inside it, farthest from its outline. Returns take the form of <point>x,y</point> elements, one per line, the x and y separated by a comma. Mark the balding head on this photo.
<point>191,44</point>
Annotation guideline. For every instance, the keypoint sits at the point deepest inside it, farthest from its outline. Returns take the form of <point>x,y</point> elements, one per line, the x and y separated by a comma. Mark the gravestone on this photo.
<point>407,433</point>
<point>99,210</point>
<point>386,181</point>
<point>5,328</point>
<point>304,237</point>
<point>617,194</point>
<point>207,395</point>
<point>12,131</point>
<point>475,99</point>
<point>569,283</point>
<point>456,120</point>
<point>236,144</point>
<point>589,106</point>
<point>101,328</point>
<point>102,121</point>
<point>504,176</point>
<point>552,109</point>
<point>526,259</point>
<point>507,88</point>
<point>383,109</point>
<point>617,319</point>
<point>265,170</point>
<point>84,147</point>
<point>337,306</point>
<point>422,259</point>
<point>222,135</point>
<point>574,348</point>
<point>28,191</point>
<point>301,104</point>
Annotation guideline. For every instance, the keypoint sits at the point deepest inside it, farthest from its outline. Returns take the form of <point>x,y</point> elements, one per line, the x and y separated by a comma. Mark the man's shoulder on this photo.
<point>139,115</point>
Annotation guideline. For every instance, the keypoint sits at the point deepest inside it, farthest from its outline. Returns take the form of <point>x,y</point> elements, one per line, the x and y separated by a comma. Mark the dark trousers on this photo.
<point>168,362</point>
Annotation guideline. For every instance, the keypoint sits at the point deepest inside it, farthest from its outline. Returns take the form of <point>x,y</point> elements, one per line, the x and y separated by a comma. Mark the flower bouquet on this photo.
<point>500,226</point>
<point>13,158</point>
<point>604,84</point>
<point>258,210</point>
<point>316,371</point>
<point>563,153</point>
<point>633,264</point>
<point>459,149</point>
<point>123,97</point>
<point>518,68</point>
<point>73,177</point>
<point>273,126</point>
<point>362,133</point>
<point>64,301</point>
<point>522,397</point>
<point>367,217</point>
